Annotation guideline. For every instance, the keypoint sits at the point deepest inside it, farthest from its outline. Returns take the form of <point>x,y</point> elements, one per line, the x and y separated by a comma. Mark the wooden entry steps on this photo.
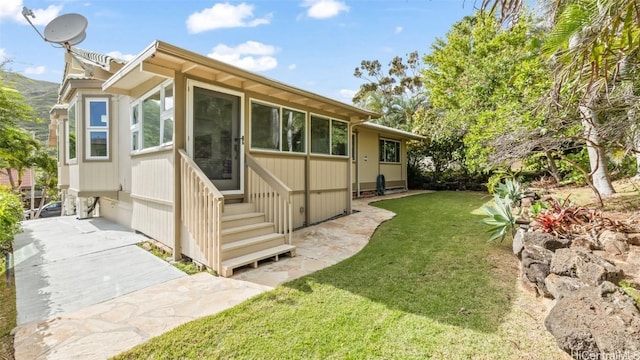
<point>247,238</point>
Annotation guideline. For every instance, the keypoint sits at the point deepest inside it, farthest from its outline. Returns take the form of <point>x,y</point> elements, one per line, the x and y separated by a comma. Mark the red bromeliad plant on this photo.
<point>565,219</point>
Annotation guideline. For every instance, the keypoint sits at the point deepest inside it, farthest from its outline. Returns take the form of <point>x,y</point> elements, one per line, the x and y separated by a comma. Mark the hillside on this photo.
<point>41,95</point>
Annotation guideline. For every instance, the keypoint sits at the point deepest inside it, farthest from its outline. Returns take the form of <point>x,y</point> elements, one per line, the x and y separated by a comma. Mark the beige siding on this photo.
<point>74,178</point>
<point>98,176</point>
<point>152,195</point>
<point>291,170</point>
<point>190,248</point>
<point>116,211</point>
<point>328,187</point>
<point>368,149</point>
<point>392,172</point>
<point>154,220</point>
<point>152,176</point>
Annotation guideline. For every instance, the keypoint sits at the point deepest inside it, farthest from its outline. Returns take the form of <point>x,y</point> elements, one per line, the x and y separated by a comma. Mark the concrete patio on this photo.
<point>107,328</point>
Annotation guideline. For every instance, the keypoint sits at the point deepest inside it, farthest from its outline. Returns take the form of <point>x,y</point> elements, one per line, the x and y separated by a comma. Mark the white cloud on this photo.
<point>292,67</point>
<point>38,70</point>
<point>324,9</point>
<point>12,10</point>
<point>224,15</point>
<point>347,94</point>
<point>398,29</point>
<point>386,49</point>
<point>251,55</point>
<point>120,55</point>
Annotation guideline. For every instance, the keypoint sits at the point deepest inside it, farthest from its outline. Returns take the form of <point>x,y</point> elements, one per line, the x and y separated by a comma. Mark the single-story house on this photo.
<point>217,163</point>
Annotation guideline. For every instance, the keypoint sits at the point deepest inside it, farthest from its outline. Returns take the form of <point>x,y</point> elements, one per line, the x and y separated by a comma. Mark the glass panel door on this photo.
<point>217,143</point>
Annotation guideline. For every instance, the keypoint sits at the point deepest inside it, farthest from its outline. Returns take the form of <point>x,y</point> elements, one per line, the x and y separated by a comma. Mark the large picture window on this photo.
<point>329,136</point>
<point>71,139</point>
<point>389,151</point>
<point>277,128</point>
<point>152,118</point>
<point>97,124</point>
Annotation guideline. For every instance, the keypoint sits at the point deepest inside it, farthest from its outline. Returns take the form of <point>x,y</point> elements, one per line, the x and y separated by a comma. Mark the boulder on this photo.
<point>560,286</point>
<point>585,242</point>
<point>595,320</point>
<point>614,243</point>
<point>545,240</point>
<point>536,261</point>
<point>634,255</point>
<point>633,239</point>
<point>518,242</point>
<point>585,266</point>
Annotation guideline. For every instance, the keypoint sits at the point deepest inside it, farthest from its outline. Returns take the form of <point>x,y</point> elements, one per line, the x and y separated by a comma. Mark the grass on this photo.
<point>186,266</point>
<point>428,285</point>
<point>7,314</point>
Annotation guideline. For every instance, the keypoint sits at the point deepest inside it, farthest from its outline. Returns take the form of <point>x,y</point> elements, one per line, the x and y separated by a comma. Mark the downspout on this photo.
<point>179,136</point>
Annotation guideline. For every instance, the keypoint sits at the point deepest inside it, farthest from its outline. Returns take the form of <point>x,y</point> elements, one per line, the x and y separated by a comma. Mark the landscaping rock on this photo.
<point>594,321</point>
<point>613,242</point>
<point>518,242</point>
<point>560,286</point>
<point>633,257</point>
<point>585,242</point>
<point>585,266</point>
<point>633,239</point>
<point>536,261</point>
<point>545,240</point>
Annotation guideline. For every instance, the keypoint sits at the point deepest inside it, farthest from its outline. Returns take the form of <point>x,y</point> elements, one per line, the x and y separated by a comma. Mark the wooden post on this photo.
<point>179,137</point>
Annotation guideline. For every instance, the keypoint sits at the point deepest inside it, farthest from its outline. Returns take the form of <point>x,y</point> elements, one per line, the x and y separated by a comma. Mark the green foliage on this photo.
<point>630,290</point>
<point>537,207</point>
<point>509,189</point>
<point>499,218</point>
<point>484,82</point>
<point>11,213</point>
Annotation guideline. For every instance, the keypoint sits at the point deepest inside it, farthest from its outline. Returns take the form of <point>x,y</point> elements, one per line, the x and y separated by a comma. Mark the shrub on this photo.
<point>11,213</point>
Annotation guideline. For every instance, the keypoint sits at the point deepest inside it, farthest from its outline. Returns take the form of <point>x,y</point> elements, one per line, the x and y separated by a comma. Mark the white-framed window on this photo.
<point>152,118</point>
<point>71,138</point>
<point>329,136</point>
<point>277,128</point>
<point>97,128</point>
<point>389,151</point>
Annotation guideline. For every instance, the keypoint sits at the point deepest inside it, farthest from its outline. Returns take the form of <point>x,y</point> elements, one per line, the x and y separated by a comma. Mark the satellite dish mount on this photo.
<point>66,30</point>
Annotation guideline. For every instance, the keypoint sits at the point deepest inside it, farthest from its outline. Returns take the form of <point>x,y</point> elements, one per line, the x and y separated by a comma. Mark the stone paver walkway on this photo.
<point>108,328</point>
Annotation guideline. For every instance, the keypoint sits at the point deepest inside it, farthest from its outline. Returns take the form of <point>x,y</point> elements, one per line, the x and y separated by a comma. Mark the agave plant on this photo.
<point>499,218</point>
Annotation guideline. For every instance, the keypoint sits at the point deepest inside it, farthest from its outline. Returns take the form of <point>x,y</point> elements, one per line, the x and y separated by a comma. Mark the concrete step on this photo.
<point>246,231</point>
<point>247,246</point>
<point>239,208</point>
<point>253,258</point>
<point>231,221</point>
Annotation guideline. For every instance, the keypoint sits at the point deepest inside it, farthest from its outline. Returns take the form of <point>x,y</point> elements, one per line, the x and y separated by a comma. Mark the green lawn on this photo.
<point>427,286</point>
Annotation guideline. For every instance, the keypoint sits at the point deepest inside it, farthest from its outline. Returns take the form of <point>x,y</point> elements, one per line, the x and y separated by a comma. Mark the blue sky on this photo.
<point>311,44</point>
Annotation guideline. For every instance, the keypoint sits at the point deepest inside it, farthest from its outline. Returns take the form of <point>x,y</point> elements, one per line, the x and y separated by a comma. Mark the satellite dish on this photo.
<point>67,28</point>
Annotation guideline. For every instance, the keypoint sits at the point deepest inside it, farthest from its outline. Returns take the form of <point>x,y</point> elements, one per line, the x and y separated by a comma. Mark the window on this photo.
<point>97,124</point>
<point>389,151</point>
<point>276,128</point>
<point>71,139</point>
<point>320,138</point>
<point>329,137</point>
<point>339,137</point>
<point>152,118</point>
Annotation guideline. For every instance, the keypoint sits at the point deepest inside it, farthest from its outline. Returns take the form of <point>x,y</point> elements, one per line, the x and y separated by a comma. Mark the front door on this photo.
<point>215,138</point>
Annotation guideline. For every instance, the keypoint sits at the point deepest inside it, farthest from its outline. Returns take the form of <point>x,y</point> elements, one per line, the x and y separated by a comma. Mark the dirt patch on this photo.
<point>7,317</point>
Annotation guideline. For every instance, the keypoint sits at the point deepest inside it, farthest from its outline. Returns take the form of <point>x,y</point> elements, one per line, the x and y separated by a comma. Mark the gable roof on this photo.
<point>161,59</point>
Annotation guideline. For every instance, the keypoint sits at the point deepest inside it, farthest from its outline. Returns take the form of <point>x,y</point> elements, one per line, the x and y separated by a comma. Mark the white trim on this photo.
<point>190,85</point>
<point>67,140</point>
<point>164,116</point>
<point>89,128</point>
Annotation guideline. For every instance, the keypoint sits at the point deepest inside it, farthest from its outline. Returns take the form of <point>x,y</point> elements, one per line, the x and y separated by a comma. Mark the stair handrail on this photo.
<point>280,187</point>
<point>202,209</point>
